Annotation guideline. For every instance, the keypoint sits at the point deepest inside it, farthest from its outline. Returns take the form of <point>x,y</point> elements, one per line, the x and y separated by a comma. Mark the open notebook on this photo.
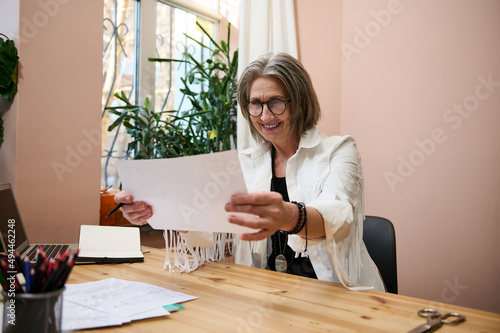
<point>103,244</point>
<point>13,231</point>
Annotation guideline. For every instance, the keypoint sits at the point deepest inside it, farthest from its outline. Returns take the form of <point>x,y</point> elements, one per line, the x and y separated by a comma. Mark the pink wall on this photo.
<point>319,32</point>
<point>414,96</point>
<point>54,123</point>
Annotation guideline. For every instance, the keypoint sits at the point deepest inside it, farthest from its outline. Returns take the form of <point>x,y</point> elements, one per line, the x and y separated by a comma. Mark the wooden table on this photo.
<point>235,298</point>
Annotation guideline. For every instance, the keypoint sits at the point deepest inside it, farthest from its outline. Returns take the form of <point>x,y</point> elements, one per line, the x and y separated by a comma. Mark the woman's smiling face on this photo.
<point>274,128</point>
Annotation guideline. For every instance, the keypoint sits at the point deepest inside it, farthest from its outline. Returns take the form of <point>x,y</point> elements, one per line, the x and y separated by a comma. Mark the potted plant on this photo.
<point>208,126</point>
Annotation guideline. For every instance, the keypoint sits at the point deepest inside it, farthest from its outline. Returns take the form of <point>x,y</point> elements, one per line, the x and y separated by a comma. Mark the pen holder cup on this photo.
<point>38,312</point>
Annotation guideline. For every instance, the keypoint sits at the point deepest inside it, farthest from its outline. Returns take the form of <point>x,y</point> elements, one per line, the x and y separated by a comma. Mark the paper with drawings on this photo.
<point>79,317</point>
<point>114,302</point>
<point>186,193</point>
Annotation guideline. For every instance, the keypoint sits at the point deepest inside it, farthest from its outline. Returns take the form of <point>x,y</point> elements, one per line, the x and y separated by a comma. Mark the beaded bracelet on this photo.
<point>305,224</point>
<point>302,218</point>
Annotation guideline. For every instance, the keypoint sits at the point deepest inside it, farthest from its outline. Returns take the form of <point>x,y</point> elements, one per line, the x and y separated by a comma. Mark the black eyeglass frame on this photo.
<point>262,107</point>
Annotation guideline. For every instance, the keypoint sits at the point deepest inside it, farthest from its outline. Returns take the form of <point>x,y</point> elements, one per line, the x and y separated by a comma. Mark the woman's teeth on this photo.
<point>270,126</point>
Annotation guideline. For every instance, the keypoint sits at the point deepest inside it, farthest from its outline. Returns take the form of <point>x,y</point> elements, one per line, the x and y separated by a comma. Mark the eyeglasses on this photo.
<point>276,106</point>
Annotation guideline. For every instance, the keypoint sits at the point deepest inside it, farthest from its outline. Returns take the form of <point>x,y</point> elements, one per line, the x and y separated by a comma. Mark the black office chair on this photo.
<point>380,241</point>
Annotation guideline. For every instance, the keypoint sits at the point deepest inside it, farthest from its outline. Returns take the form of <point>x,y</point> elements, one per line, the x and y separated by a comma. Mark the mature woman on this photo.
<point>305,190</point>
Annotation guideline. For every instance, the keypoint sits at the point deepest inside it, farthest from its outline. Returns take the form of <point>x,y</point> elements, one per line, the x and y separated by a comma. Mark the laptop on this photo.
<point>12,230</point>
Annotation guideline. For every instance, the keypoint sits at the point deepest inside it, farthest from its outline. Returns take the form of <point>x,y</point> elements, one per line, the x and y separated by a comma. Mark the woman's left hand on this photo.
<point>269,211</point>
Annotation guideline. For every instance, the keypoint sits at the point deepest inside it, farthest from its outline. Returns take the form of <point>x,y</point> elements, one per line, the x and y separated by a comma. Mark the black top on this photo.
<point>298,266</point>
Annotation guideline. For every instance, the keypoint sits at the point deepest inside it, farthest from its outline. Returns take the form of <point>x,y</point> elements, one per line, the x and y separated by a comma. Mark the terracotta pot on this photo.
<point>107,204</point>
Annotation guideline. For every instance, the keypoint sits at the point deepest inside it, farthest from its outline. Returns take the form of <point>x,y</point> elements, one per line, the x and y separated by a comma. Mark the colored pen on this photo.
<point>19,261</point>
<point>46,274</point>
<point>38,278</point>
<point>114,209</point>
<point>22,281</point>
<point>27,276</point>
<point>32,277</point>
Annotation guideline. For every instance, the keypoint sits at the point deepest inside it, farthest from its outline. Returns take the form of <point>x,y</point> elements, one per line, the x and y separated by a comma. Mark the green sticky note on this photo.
<point>173,307</point>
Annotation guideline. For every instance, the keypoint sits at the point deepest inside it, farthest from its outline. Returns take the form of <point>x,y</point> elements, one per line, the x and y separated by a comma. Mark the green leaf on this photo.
<point>165,60</point>
<point>223,45</point>
<point>172,152</point>
<point>191,78</point>
<point>117,122</point>
<point>9,91</point>
<point>228,35</point>
<point>123,107</point>
<point>208,35</point>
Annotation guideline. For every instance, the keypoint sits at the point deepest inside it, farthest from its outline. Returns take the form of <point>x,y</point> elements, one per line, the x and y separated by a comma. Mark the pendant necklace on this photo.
<point>280,262</point>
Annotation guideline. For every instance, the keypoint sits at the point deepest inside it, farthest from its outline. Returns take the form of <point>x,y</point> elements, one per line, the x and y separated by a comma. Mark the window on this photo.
<point>130,37</point>
<point>119,67</point>
<point>171,42</point>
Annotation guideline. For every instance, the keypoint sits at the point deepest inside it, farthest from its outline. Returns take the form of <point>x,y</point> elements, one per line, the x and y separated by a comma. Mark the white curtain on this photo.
<point>265,26</point>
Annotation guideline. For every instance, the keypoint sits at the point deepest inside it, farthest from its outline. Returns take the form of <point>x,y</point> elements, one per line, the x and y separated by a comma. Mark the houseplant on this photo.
<point>208,126</point>
<point>216,125</point>
<point>8,72</point>
<point>155,134</point>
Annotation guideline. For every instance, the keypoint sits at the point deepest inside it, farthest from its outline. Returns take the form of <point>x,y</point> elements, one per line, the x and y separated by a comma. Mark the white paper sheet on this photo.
<point>78,317</point>
<point>186,193</point>
<point>113,301</point>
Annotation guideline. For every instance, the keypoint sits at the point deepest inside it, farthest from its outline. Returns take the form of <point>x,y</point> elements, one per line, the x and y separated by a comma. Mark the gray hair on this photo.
<point>305,111</point>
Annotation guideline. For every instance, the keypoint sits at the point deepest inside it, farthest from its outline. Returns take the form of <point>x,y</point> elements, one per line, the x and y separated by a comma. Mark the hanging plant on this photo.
<point>8,71</point>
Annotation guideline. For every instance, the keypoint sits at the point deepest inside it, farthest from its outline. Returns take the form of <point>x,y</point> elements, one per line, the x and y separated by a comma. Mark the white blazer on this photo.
<point>325,173</point>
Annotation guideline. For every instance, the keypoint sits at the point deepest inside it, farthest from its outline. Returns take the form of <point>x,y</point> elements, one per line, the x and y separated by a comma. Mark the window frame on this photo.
<point>144,84</point>
<point>145,71</point>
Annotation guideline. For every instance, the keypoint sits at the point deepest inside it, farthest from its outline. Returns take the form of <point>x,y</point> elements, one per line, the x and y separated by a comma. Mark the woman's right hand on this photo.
<point>136,212</point>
